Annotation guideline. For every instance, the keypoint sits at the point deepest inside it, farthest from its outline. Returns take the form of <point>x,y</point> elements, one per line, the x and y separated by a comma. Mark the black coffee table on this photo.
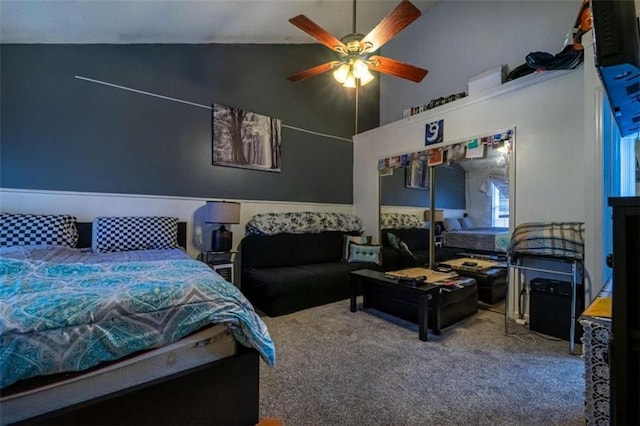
<point>399,298</point>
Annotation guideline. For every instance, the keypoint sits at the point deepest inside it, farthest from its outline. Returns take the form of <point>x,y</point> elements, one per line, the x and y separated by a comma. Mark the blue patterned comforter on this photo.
<point>65,315</point>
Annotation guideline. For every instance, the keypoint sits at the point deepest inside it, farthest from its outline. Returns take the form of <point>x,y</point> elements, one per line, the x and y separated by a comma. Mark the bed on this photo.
<point>461,233</point>
<point>145,335</point>
<point>480,239</point>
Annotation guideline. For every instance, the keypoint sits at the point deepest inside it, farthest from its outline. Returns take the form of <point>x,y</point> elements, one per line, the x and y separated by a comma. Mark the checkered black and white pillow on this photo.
<point>134,233</point>
<point>37,229</point>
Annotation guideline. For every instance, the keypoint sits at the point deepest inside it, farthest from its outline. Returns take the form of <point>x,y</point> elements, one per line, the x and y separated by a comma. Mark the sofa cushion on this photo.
<point>265,251</point>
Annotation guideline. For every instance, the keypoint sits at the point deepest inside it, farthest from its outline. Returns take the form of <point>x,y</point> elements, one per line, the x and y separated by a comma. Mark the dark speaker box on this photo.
<point>550,308</point>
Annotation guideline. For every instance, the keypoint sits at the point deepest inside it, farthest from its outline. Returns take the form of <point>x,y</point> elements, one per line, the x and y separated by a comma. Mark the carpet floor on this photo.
<point>335,367</point>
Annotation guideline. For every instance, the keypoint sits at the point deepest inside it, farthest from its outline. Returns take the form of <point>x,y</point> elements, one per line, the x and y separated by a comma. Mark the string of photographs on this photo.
<point>470,149</point>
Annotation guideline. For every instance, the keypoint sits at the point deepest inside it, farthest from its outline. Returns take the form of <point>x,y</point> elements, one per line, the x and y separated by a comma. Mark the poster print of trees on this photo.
<point>245,139</point>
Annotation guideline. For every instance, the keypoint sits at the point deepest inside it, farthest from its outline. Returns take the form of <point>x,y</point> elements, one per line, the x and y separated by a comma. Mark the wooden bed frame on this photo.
<point>222,392</point>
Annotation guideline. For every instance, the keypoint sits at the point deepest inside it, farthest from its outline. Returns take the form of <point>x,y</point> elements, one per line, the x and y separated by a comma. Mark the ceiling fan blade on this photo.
<point>319,69</point>
<point>400,17</point>
<point>319,33</point>
<point>397,68</point>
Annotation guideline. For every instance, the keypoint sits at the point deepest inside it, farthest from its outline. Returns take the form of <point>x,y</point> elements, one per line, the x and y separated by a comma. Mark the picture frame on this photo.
<point>417,175</point>
<point>436,156</point>
<point>245,139</point>
<point>434,132</point>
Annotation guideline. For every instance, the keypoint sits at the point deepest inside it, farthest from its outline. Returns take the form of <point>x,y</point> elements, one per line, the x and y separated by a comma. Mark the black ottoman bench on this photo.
<point>457,301</point>
<point>492,283</point>
<point>490,276</point>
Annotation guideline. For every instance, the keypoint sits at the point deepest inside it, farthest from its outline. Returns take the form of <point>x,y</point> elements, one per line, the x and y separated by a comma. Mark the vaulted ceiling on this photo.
<point>184,21</point>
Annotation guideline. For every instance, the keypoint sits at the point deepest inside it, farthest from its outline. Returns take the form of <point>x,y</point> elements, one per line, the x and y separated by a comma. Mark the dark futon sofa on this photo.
<point>417,240</point>
<point>287,272</point>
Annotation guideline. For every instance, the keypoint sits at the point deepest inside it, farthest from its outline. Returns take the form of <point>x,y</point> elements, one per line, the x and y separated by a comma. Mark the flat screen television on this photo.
<point>616,31</point>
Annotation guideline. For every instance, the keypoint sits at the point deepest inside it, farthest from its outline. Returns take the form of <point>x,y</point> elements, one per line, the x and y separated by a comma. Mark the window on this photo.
<point>500,208</point>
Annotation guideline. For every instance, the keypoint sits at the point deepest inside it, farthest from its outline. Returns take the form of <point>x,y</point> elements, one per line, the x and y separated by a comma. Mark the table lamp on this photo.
<point>222,212</point>
<point>438,216</point>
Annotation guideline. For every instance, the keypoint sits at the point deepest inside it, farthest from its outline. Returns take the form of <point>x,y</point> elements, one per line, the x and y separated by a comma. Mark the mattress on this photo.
<point>203,347</point>
<point>64,310</point>
<point>485,239</point>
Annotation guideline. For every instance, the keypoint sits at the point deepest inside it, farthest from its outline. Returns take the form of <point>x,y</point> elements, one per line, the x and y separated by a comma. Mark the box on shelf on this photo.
<point>488,79</point>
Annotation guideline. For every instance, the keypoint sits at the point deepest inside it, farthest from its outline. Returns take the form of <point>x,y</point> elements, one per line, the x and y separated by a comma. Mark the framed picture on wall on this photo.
<point>436,157</point>
<point>434,132</point>
<point>245,139</point>
<point>417,175</point>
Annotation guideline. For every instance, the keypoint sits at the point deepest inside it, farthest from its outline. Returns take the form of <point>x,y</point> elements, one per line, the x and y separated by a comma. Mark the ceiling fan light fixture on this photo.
<point>367,78</point>
<point>350,81</point>
<point>341,73</point>
<point>361,71</point>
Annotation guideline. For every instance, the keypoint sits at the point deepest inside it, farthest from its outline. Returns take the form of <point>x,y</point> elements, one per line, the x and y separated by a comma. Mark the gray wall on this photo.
<point>62,133</point>
<point>449,183</point>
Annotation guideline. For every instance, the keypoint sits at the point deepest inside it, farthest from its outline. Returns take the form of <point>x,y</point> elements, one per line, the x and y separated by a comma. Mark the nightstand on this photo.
<point>221,262</point>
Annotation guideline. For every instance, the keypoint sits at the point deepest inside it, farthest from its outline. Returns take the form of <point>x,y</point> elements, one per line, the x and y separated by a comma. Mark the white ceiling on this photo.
<point>183,21</point>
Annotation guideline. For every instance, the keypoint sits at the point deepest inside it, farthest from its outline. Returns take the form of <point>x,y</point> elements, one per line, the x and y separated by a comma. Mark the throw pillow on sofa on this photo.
<point>405,248</point>
<point>400,245</point>
<point>393,240</point>
<point>465,222</point>
<point>348,239</point>
<point>365,253</point>
<point>451,224</point>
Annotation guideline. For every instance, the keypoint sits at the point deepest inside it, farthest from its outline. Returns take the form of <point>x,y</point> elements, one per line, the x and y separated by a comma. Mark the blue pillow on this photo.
<point>348,239</point>
<point>364,253</point>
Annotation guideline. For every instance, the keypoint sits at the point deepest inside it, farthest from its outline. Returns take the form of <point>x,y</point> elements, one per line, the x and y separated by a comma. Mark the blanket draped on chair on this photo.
<point>559,239</point>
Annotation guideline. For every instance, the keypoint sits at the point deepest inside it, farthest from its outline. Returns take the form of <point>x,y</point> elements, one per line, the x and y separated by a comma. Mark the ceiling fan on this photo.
<point>356,50</point>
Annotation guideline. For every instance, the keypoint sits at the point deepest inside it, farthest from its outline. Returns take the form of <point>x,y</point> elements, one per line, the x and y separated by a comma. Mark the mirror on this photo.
<point>471,195</point>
